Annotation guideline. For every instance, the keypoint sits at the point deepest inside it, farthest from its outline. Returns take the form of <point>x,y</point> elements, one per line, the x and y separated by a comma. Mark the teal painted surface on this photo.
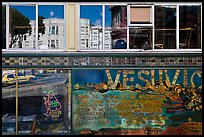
<point>98,107</point>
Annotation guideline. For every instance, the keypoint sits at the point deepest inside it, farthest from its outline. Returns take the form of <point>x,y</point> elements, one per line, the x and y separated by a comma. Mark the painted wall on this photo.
<point>137,101</point>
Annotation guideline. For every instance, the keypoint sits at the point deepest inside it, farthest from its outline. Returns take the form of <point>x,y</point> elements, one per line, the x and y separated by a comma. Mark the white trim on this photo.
<point>201,27</point>
<point>79,29</point>
<point>65,18</point>
<point>34,3</point>
<point>155,50</point>
<point>7,26</point>
<point>178,3</point>
<point>36,29</point>
<point>102,3</point>
<point>103,26</point>
<point>177,27</point>
<point>153,31</point>
<point>31,50</point>
<point>128,29</point>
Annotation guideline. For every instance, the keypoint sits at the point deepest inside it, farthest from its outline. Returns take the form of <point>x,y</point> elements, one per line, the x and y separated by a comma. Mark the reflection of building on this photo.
<point>54,34</point>
<point>85,33</point>
<point>119,23</point>
<point>92,36</point>
<point>96,38</point>
<point>52,39</point>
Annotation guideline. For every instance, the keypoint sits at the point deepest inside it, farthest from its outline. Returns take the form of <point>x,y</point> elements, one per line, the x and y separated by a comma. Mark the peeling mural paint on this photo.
<point>139,102</point>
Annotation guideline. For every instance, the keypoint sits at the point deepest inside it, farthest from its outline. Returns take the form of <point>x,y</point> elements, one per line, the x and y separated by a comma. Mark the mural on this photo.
<point>137,102</point>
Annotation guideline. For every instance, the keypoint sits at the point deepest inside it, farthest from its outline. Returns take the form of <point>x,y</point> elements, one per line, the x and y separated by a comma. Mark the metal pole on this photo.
<point>16,71</point>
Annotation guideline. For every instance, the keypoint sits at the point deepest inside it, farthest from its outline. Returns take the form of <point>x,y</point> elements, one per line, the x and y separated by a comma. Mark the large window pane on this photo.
<point>190,27</point>
<point>119,26</point>
<point>136,12</point>
<point>91,27</point>
<point>140,37</point>
<point>8,110</point>
<point>43,101</point>
<point>51,26</point>
<point>22,27</point>
<point>3,27</point>
<point>165,27</point>
<point>108,29</point>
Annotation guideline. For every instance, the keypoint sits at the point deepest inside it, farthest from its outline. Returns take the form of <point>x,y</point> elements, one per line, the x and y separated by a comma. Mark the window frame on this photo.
<point>152,24</point>
<point>36,4</point>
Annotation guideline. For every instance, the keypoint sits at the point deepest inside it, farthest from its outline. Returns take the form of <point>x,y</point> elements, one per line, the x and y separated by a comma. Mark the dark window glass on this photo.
<point>119,26</point>
<point>3,27</point>
<point>140,37</point>
<point>190,27</point>
<point>165,27</point>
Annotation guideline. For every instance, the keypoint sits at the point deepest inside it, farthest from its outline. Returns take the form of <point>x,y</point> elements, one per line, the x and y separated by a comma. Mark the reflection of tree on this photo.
<point>20,25</point>
<point>41,25</point>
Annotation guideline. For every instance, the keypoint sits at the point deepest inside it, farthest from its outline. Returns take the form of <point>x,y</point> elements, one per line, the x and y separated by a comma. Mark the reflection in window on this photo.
<point>190,27</point>
<point>22,23</point>
<point>140,37</point>
<point>8,107</point>
<point>3,26</point>
<point>136,12</point>
<point>53,21</point>
<point>119,26</point>
<point>42,102</point>
<point>91,27</point>
<point>108,29</point>
<point>165,27</point>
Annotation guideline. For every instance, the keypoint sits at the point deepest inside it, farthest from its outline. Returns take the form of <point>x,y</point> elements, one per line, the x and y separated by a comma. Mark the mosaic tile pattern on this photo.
<point>101,61</point>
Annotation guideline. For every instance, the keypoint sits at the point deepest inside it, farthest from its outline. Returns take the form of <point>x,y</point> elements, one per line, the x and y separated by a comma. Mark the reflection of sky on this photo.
<point>107,16</point>
<point>94,13</point>
<point>43,10</point>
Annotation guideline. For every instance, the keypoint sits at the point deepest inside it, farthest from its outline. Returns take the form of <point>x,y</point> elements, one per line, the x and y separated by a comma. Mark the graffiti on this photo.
<point>52,104</point>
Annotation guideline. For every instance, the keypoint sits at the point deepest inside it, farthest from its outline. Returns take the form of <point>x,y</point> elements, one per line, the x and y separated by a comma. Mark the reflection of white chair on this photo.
<point>186,43</point>
<point>158,46</point>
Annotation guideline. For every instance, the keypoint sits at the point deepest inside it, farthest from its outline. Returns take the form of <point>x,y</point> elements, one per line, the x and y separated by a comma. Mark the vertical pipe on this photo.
<point>69,101</point>
<point>16,71</point>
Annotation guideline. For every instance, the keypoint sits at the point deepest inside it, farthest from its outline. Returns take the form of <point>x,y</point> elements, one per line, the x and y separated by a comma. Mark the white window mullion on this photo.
<point>64,31</point>
<point>7,26</point>
<point>153,31</point>
<point>36,29</point>
<point>128,19</point>
<point>201,26</point>
<point>79,29</point>
<point>103,26</point>
<point>177,27</point>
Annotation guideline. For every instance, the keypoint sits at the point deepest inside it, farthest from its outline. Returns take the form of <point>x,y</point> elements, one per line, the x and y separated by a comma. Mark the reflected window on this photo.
<point>22,23</point>
<point>52,26</point>
<point>190,27</point>
<point>8,107</point>
<point>118,26</point>
<point>108,30</point>
<point>165,27</point>
<point>140,37</point>
<point>3,26</point>
<point>136,12</point>
<point>91,23</point>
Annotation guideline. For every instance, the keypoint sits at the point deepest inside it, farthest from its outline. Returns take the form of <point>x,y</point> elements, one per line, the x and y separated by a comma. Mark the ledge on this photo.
<point>101,54</point>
